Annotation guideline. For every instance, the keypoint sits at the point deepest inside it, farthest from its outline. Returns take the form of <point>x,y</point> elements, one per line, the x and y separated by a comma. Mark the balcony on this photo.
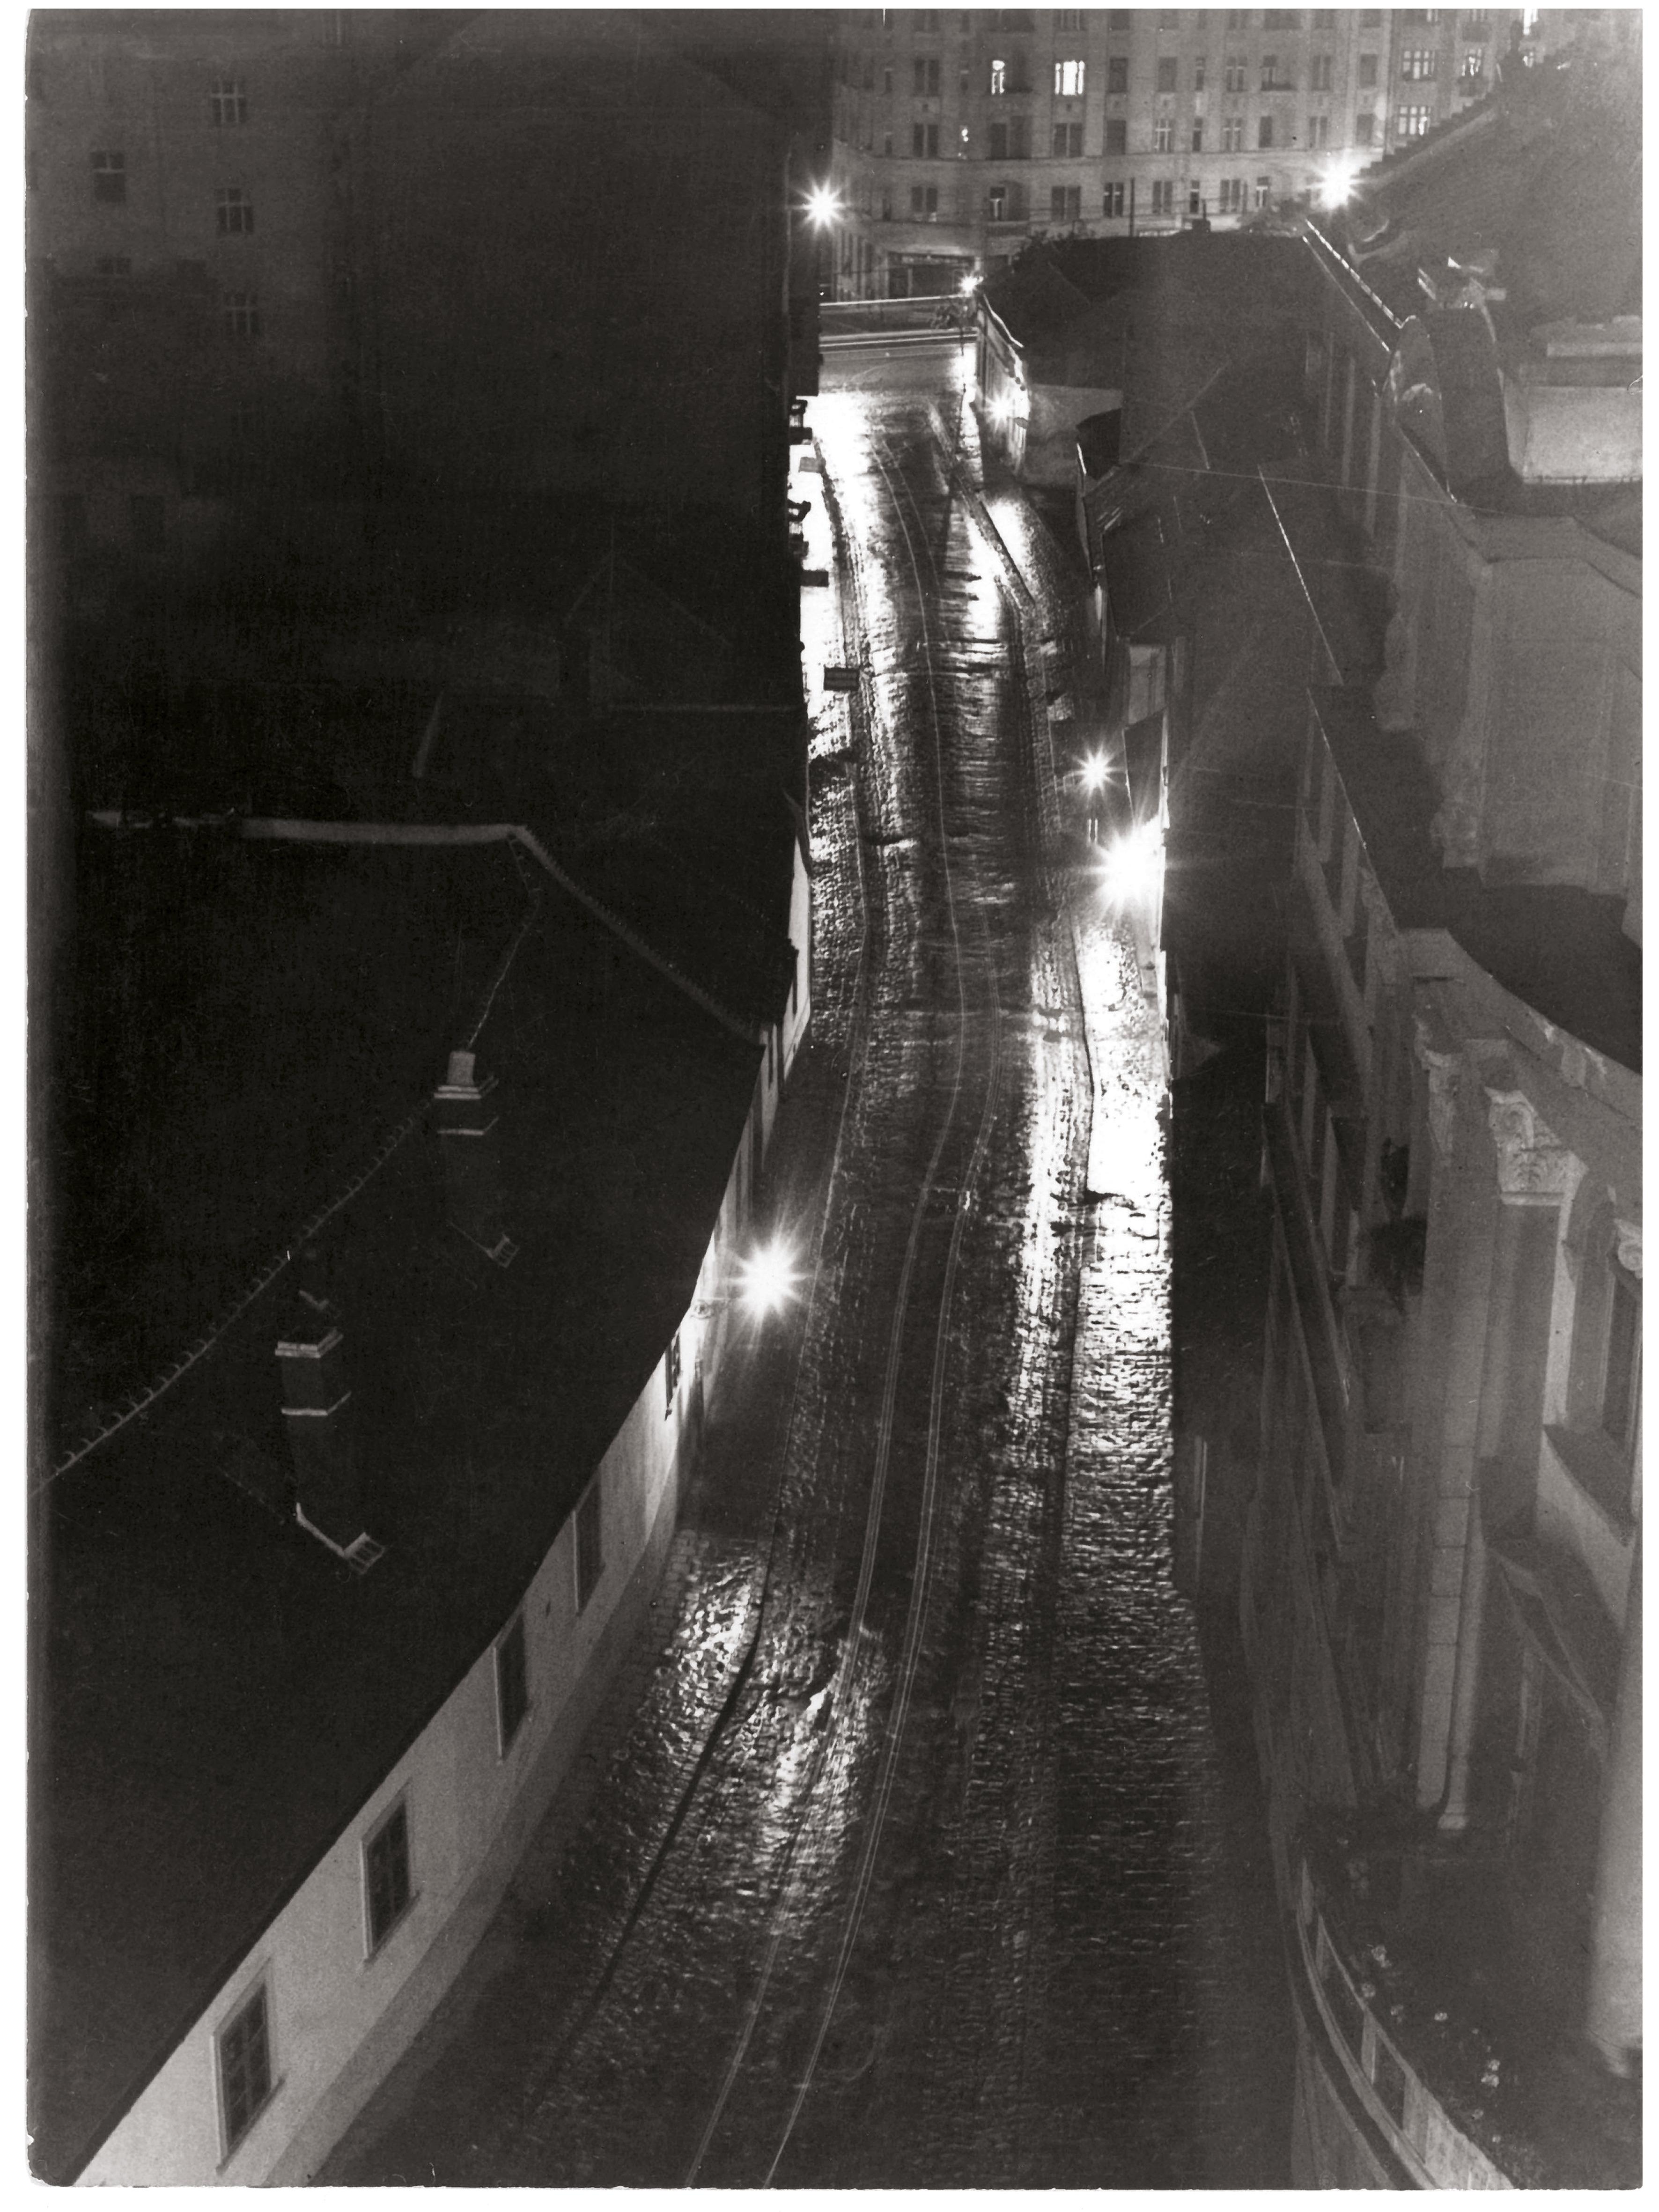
<point>1405,1964</point>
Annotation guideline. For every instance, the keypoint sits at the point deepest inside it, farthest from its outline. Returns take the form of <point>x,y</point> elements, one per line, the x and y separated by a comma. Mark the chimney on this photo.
<point>316,1413</point>
<point>466,1122</point>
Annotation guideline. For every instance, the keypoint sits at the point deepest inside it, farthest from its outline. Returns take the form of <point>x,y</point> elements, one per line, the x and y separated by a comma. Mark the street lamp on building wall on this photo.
<point>823,209</point>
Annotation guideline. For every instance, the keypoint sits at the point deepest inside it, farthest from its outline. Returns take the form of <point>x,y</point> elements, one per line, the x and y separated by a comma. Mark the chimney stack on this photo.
<point>316,1413</point>
<point>466,1122</point>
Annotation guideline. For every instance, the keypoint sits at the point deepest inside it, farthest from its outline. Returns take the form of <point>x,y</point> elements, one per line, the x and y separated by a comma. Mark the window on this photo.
<point>1319,131</point>
<point>1264,133</point>
<point>1166,72</point>
<point>1117,72</point>
<point>1198,135</point>
<point>924,202</point>
<point>1198,72</point>
<point>511,1684</point>
<point>1232,133</point>
<point>1411,122</point>
<point>229,101</point>
<point>1163,135</point>
<point>1233,75</point>
<point>1364,127</point>
<point>925,79</point>
<point>1068,141</point>
<point>996,203</point>
<point>1263,191</point>
<point>1111,200</point>
<point>1418,63</point>
<point>386,1891</point>
<point>109,178</point>
<point>999,78</point>
<point>241,311</point>
<point>1367,69</point>
<point>1068,79</point>
<point>245,2083</point>
<point>1231,198</point>
<point>1477,27</point>
<point>1065,203</point>
<point>1474,71</point>
<point>114,265</point>
<point>1068,18</point>
<point>235,212</point>
<point>1622,1366</point>
<point>1195,198</point>
<point>887,207</point>
<point>924,141</point>
<point>1319,75</point>
<point>887,146</point>
<point>1117,134</point>
<point>590,1557</point>
<point>1271,80</point>
<point>1163,196</point>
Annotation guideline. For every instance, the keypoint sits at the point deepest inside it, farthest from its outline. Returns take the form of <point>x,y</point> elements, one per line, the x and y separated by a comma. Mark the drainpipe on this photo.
<point>1613,2011</point>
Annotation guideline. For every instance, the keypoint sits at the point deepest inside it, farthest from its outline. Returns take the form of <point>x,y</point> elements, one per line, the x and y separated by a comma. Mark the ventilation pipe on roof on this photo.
<point>316,1413</point>
<point>466,1122</point>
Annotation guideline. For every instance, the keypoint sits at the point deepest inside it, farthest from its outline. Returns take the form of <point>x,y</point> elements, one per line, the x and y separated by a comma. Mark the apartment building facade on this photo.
<point>961,133</point>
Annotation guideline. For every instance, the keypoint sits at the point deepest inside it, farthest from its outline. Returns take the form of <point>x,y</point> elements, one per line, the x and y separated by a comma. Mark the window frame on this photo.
<point>228,98</point>
<point>512,1698</point>
<point>109,176</point>
<point>396,1816</point>
<point>256,1991</point>
<point>232,207</point>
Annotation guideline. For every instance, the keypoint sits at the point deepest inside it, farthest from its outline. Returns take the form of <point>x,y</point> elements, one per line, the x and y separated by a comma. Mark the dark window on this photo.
<point>924,141</point>
<point>1319,131</point>
<point>114,265</point>
<point>924,79</point>
<point>109,178</point>
<point>1166,73</point>
<point>512,1682</point>
<point>999,142</point>
<point>228,100</point>
<point>590,1557</point>
<point>1368,69</point>
<point>1117,72</point>
<point>1264,132</point>
<point>245,2067</point>
<point>240,311</point>
<point>1065,203</point>
<point>924,200</point>
<point>1068,18</point>
<point>996,203</point>
<point>1233,74</point>
<point>235,212</point>
<point>1164,196</point>
<point>1163,135</point>
<point>1195,199</point>
<point>1111,200</point>
<point>1624,1348</point>
<point>386,1875</point>
<point>1198,136</point>
<point>1068,141</point>
<point>1117,134</point>
<point>1319,78</point>
<point>1198,72</point>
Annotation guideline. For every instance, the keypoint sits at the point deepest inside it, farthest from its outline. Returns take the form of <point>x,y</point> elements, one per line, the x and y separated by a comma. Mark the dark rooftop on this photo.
<point>1561,950</point>
<point>217,1694</point>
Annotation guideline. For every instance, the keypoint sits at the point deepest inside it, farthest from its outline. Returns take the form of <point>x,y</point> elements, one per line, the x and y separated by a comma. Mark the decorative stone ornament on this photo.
<point>1533,1166</point>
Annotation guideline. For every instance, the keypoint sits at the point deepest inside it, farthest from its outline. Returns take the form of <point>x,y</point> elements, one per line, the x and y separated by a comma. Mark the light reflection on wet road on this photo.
<point>955,1894</point>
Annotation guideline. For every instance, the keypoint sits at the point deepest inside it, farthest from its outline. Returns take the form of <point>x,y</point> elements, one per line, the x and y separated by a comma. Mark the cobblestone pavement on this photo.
<point>911,1853</point>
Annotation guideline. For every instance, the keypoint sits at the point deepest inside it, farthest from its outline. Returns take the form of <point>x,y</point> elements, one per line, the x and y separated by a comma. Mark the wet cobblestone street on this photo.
<point>912,1852</point>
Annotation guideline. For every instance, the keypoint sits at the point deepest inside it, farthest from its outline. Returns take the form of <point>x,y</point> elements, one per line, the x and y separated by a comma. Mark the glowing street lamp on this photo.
<point>1336,186</point>
<point>1132,866</point>
<point>1093,773</point>
<point>767,1279</point>
<point>822,206</point>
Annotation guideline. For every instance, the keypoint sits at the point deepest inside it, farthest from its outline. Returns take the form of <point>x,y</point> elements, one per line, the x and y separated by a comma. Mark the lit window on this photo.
<point>590,1555</point>
<point>229,101</point>
<point>512,1683</point>
<point>998,77</point>
<point>996,203</point>
<point>386,1890</point>
<point>235,212</point>
<point>1419,63</point>
<point>1166,72</point>
<point>1411,122</point>
<point>240,312</point>
<point>245,2083</point>
<point>109,178</point>
<point>1068,79</point>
